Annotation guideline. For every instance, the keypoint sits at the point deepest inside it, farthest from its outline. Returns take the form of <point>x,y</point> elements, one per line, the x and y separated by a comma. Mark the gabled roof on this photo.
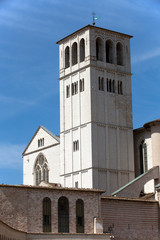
<point>50,133</point>
<point>46,130</point>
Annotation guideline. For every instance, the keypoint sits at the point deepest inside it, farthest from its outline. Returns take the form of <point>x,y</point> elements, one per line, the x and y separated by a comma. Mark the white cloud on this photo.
<point>6,99</point>
<point>146,56</point>
<point>11,155</point>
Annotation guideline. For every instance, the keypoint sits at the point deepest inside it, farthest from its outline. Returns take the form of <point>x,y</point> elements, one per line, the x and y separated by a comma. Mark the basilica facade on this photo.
<point>96,137</point>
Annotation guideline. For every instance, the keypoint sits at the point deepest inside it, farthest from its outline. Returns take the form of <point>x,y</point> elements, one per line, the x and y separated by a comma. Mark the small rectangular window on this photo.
<point>76,184</point>
<point>113,86</point>
<point>81,85</point>
<point>110,85</point>
<point>67,91</point>
<point>41,142</point>
<point>145,161</point>
<point>74,88</point>
<point>101,83</point>
<point>75,146</point>
<point>120,88</point>
<point>107,85</point>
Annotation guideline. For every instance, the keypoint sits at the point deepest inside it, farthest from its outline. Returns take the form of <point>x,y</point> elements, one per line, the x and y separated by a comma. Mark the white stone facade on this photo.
<point>96,136</point>
<point>100,120</point>
<point>95,149</point>
<point>51,152</point>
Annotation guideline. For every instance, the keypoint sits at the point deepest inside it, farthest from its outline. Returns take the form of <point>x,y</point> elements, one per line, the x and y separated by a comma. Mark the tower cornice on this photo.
<point>92,27</point>
<point>98,68</point>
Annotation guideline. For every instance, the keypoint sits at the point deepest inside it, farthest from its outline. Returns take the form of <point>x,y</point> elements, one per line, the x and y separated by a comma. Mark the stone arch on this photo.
<point>67,57</point>
<point>119,53</point>
<point>80,216</point>
<point>82,50</point>
<point>63,215</point>
<point>109,51</point>
<point>74,53</point>
<point>99,49</point>
<point>46,214</point>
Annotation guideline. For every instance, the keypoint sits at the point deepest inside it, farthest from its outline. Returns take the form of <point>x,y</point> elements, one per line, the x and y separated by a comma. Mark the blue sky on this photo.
<point>29,87</point>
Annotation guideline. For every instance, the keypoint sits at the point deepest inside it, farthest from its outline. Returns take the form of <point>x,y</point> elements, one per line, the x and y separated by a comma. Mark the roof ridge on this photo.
<point>50,133</point>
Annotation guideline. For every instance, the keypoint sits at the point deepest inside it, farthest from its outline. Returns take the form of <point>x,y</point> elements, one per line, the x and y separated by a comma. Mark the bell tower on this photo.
<point>96,135</point>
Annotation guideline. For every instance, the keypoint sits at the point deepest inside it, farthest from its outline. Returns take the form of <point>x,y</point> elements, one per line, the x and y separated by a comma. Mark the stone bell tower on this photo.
<point>95,109</point>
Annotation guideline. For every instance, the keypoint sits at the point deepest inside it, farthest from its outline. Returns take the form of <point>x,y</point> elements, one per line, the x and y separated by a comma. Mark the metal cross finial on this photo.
<point>93,23</point>
<point>94,18</point>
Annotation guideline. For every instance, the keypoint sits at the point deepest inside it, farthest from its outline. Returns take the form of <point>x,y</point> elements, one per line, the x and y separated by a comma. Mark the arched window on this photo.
<point>99,49</point>
<point>143,157</point>
<point>74,53</point>
<point>109,51</point>
<point>119,50</point>
<point>82,50</point>
<point>79,216</point>
<point>38,175</point>
<point>67,57</point>
<point>41,170</point>
<point>46,215</point>
<point>63,215</point>
<point>45,172</point>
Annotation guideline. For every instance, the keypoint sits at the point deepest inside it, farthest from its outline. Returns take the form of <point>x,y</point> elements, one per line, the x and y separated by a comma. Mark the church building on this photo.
<point>95,148</point>
<point>99,179</point>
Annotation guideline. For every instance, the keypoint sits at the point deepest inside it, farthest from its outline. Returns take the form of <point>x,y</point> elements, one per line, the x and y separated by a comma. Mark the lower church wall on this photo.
<point>8,233</point>
<point>32,236</point>
<point>130,219</point>
<point>21,207</point>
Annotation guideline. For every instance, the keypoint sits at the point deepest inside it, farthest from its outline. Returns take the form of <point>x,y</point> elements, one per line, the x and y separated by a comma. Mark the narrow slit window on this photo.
<point>113,86</point>
<point>75,146</point>
<point>101,83</point>
<point>120,88</point>
<point>67,91</point>
<point>81,85</point>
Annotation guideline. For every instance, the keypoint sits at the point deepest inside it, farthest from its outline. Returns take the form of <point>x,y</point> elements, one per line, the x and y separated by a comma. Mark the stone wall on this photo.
<point>21,207</point>
<point>43,236</point>
<point>7,232</point>
<point>130,218</point>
